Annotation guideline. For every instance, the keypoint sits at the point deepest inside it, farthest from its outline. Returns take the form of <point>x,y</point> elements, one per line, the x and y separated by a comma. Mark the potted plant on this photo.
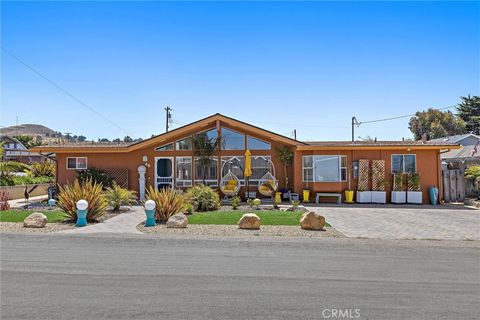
<point>378,182</point>
<point>306,193</point>
<point>414,195</point>
<point>364,195</point>
<point>399,195</point>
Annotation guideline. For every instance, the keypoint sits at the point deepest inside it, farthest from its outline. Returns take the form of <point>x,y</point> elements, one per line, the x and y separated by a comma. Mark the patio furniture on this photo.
<point>294,196</point>
<point>267,185</point>
<point>328,194</point>
<point>229,185</point>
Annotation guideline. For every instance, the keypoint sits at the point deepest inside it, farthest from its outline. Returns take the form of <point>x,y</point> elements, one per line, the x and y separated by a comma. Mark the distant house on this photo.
<point>463,157</point>
<point>14,150</point>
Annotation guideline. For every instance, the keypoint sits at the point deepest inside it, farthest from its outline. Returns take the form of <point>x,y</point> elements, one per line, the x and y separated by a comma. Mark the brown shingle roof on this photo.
<point>374,143</point>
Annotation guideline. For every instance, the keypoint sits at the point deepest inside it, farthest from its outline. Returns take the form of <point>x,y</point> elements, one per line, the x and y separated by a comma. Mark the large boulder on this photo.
<point>312,221</point>
<point>178,220</point>
<point>35,220</point>
<point>249,221</point>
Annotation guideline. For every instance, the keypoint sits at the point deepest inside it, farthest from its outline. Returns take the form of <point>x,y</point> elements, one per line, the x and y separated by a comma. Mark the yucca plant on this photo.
<point>168,202</point>
<point>203,198</point>
<point>118,196</point>
<point>69,194</point>
<point>42,169</point>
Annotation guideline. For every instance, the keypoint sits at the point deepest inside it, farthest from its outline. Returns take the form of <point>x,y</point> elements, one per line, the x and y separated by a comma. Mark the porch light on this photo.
<point>82,205</point>
<point>150,205</point>
<point>145,159</point>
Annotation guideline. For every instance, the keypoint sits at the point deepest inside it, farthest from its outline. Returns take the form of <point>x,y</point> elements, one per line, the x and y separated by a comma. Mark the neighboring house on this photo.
<point>168,159</point>
<point>465,155</point>
<point>14,150</point>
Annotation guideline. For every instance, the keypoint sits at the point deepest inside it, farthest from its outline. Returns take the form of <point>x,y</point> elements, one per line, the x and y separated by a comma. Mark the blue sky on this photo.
<point>281,66</point>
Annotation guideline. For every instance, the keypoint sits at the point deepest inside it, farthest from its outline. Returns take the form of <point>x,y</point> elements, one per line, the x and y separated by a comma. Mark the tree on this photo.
<point>28,141</point>
<point>204,148</point>
<point>469,111</point>
<point>81,138</point>
<point>285,156</point>
<point>103,140</point>
<point>127,139</point>
<point>435,124</point>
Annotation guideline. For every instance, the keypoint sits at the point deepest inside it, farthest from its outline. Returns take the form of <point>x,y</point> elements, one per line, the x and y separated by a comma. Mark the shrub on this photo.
<point>168,202</point>
<point>473,173</point>
<point>188,208</point>
<point>42,169</point>
<point>118,196</point>
<point>235,202</point>
<point>203,198</point>
<point>4,205</point>
<point>95,175</point>
<point>91,191</point>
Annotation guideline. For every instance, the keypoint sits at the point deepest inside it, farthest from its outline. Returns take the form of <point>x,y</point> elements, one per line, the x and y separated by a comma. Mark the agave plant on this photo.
<point>168,202</point>
<point>90,191</point>
<point>118,196</point>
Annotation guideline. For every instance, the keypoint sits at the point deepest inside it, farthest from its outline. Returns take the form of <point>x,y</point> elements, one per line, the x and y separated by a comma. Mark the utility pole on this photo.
<point>168,117</point>
<point>295,134</point>
<point>354,123</point>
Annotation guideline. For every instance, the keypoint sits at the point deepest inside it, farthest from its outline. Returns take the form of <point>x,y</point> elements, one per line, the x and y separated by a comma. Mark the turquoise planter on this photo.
<point>433,195</point>
<point>81,218</point>
<point>150,222</point>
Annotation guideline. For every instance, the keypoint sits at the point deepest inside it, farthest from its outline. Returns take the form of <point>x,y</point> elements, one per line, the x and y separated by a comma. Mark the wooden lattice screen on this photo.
<point>378,175</point>
<point>363,174</point>
<point>119,175</point>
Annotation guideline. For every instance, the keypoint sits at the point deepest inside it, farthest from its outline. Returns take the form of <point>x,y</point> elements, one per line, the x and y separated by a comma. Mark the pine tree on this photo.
<point>469,111</point>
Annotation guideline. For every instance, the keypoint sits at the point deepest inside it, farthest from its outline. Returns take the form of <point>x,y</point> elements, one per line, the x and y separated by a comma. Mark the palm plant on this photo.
<point>7,168</point>
<point>204,148</point>
<point>42,169</point>
<point>90,191</point>
<point>118,196</point>
<point>168,202</point>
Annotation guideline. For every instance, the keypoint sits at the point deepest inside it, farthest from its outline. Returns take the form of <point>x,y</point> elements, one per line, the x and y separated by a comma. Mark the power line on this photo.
<point>400,117</point>
<point>65,91</point>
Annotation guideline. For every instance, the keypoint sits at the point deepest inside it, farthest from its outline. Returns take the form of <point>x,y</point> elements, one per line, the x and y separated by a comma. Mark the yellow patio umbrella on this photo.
<point>248,169</point>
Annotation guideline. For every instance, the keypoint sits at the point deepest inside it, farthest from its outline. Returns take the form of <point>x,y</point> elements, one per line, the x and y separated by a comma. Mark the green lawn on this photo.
<point>272,217</point>
<point>20,215</point>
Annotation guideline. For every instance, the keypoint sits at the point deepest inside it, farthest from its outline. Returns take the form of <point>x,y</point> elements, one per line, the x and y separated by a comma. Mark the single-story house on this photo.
<point>468,154</point>
<point>169,160</point>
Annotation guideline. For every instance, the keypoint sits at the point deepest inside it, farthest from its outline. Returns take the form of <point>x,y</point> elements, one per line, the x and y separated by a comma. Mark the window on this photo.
<point>166,147</point>
<point>324,168</point>
<point>183,167</point>
<point>78,163</point>
<point>404,163</point>
<point>260,166</point>
<point>210,170</point>
<point>232,140</point>
<point>257,144</point>
<point>236,165</point>
<point>184,144</point>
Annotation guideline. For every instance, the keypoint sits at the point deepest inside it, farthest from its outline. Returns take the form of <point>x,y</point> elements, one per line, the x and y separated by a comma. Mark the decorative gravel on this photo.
<point>234,231</point>
<point>18,227</point>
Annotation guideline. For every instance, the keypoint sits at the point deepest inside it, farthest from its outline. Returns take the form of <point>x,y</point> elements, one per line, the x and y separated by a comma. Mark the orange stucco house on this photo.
<point>168,159</point>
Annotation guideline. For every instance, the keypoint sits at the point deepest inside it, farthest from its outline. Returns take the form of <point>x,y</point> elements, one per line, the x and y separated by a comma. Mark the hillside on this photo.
<point>28,130</point>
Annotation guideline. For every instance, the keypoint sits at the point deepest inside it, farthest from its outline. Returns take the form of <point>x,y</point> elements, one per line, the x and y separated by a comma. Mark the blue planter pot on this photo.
<point>81,218</point>
<point>433,195</point>
<point>150,222</point>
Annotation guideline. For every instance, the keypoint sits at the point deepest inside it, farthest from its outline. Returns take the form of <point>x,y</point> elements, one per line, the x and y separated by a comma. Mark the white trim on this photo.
<point>173,171</point>
<point>76,163</point>
<point>403,162</point>
<point>184,180</point>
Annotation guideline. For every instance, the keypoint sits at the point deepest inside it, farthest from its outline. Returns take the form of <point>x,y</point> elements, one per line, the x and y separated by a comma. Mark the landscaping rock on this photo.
<point>177,221</point>
<point>312,221</point>
<point>35,220</point>
<point>249,221</point>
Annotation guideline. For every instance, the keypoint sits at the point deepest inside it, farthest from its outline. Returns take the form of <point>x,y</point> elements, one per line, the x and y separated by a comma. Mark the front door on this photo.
<point>164,172</point>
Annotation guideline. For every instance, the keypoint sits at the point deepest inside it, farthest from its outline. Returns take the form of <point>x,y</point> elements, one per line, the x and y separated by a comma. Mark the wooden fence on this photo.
<point>456,188</point>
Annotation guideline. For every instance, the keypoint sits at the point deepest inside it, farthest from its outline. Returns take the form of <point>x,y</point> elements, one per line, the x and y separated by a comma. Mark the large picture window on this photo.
<point>404,163</point>
<point>183,171</point>
<point>232,140</point>
<point>236,165</point>
<point>260,166</point>
<point>184,144</point>
<point>209,173</point>
<point>257,144</point>
<point>324,168</point>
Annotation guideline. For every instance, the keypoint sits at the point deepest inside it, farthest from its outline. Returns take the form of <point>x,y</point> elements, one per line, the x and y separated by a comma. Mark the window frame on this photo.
<point>76,163</point>
<point>185,182</point>
<point>403,162</point>
<point>234,131</point>
<point>208,182</point>
<point>255,138</point>
<point>340,168</point>
<point>165,145</point>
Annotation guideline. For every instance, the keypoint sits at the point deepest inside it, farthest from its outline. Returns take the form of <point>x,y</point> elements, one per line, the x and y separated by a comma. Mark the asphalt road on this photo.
<point>135,277</point>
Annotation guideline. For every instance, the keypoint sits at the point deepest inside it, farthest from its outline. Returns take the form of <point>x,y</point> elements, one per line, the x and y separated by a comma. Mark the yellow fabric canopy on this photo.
<point>248,164</point>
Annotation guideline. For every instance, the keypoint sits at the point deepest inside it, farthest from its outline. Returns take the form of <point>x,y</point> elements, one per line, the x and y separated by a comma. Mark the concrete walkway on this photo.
<point>123,223</point>
<point>405,222</point>
<point>18,203</point>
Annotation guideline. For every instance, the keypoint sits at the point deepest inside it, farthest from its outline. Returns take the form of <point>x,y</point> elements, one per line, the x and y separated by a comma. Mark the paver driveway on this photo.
<point>404,222</point>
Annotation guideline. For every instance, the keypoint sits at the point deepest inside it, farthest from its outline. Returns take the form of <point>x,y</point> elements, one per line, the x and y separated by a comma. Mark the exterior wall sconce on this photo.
<point>145,159</point>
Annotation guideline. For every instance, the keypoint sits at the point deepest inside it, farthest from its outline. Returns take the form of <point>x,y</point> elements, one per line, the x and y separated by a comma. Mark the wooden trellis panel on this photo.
<point>119,175</point>
<point>363,174</point>
<point>378,175</point>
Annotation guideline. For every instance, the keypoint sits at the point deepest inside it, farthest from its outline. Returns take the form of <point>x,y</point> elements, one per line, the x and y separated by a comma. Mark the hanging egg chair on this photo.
<point>229,184</point>
<point>267,185</point>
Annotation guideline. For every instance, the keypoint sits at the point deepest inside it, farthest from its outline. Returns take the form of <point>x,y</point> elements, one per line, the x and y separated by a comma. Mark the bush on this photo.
<point>235,202</point>
<point>168,202</point>
<point>473,173</point>
<point>69,194</point>
<point>95,175</point>
<point>42,169</point>
<point>118,196</point>
<point>203,198</point>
